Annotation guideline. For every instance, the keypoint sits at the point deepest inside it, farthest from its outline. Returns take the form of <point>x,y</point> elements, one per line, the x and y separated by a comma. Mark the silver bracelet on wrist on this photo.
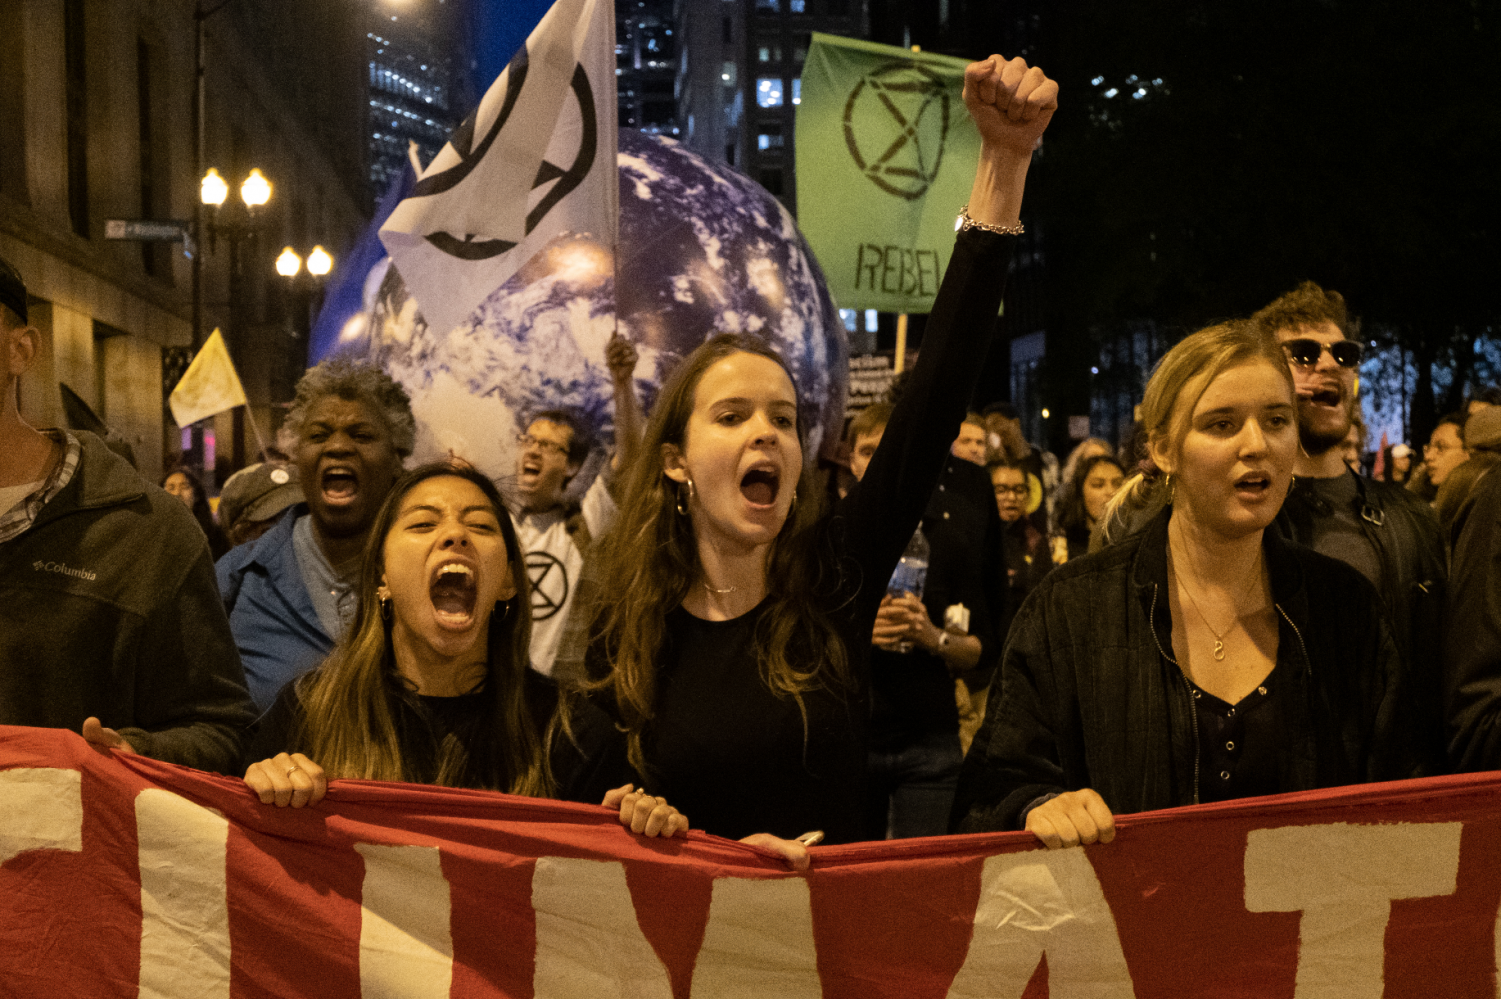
<point>964,222</point>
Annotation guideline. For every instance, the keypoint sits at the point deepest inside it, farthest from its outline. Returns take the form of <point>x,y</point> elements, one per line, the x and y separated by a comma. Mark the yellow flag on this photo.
<point>210,385</point>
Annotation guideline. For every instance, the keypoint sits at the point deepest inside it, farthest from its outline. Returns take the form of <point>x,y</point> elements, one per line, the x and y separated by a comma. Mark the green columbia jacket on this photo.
<point>108,607</point>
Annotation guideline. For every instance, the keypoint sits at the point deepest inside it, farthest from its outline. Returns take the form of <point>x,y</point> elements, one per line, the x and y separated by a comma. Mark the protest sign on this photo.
<point>123,876</point>
<point>886,156</point>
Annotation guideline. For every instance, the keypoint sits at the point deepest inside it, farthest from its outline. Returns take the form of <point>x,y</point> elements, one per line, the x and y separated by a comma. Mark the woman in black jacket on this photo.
<point>1203,658</point>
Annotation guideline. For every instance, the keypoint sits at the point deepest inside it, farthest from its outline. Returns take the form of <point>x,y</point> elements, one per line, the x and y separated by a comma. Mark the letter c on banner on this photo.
<point>1043,902</point>
<point>1343,879</point>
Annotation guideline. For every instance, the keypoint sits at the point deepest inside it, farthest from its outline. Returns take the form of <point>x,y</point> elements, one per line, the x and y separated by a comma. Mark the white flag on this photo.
<point>209,386</point>
<point>535,160</point>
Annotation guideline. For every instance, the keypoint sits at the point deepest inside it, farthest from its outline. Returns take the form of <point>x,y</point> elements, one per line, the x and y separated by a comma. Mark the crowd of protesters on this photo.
<point>1224,607</point>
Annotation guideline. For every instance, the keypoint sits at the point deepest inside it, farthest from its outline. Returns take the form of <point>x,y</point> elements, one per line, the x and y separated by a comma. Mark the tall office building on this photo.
<point>739,79</point>
<point>419,84</point>
<point>95,106</point>
<point>646,64</point>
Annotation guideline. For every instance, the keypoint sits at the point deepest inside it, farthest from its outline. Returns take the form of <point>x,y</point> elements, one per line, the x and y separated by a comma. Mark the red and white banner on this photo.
<point>121,876</point>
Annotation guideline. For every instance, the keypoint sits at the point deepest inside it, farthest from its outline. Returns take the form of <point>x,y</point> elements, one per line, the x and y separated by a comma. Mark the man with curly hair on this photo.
<point>291,594</point>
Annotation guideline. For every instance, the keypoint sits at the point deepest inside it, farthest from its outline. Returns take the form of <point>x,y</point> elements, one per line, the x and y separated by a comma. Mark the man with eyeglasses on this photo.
<point>1445,450</point>
<point>556,533</point>
<point>1379,528</point>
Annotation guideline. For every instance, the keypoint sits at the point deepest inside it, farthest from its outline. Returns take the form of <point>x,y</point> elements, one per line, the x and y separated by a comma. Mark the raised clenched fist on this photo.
<point>1010,101</point>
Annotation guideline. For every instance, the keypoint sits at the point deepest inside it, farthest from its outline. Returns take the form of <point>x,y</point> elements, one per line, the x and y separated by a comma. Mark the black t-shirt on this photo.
<point>583,768</point>
<point>1337,531</point>
<point>734,757</point>
<point>727,752</point>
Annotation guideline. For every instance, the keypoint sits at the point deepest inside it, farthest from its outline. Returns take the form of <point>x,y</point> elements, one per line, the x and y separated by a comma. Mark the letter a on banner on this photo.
<point>535,160</point>
<point>1043,902</point>
<point>1343,879</point>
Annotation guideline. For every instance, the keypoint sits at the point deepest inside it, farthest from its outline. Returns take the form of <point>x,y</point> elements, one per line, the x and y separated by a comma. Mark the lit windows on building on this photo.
<point>769,91</point>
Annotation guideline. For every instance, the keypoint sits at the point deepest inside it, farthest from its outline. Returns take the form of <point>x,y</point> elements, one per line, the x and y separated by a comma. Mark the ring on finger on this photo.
<point>292,770</point>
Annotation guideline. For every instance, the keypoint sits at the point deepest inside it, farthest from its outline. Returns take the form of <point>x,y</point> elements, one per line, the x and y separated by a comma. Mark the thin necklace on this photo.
<point>1219,636</point>
<point>719,593</point>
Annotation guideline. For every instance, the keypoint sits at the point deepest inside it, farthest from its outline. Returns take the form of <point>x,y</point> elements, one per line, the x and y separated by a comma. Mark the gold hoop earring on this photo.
<point>682,506</point>
<point>505,608</point>
<point>385,609</point>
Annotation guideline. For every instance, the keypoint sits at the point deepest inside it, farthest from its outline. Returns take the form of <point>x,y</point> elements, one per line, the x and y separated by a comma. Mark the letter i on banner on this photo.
<point>589,943</point>
<point>184,907</point>
<point>1043,902</point>
<point>1343,878</point>
<point>406,941</point>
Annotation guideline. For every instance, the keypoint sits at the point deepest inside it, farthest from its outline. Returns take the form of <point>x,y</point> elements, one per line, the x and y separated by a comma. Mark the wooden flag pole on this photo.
<point>255,426</point>
<point>901,343</point>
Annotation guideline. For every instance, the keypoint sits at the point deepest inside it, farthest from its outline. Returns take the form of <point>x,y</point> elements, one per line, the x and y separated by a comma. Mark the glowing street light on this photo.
<point>213,189</point>
<point>256,190</point>
<point>289,263</point>
<point>319,262</point>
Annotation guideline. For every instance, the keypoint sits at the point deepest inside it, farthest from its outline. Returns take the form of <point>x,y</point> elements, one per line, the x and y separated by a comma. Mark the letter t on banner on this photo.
<point>1343,879</point>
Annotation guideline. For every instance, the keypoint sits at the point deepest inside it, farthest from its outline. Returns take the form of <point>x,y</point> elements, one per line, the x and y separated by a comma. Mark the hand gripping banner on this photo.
<point>122,876</point>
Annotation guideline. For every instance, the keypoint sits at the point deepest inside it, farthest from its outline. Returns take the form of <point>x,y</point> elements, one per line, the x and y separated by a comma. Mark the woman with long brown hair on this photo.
<point>732,646</point>
<point>431,683</point>
<point>1202,658</point>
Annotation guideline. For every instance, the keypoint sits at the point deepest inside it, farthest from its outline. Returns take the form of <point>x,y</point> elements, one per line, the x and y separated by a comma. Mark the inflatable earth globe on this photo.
<point>703,250</point>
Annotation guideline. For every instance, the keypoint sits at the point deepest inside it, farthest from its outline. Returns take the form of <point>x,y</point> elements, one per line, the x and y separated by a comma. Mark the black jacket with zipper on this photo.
<point>1409,545</point>
<point>1089,697</point>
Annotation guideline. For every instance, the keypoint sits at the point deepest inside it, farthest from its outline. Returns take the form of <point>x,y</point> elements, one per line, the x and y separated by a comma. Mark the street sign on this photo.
<point>147,230</point>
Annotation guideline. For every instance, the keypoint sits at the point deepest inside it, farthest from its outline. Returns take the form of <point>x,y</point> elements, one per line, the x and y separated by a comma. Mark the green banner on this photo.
<point>886,157</point>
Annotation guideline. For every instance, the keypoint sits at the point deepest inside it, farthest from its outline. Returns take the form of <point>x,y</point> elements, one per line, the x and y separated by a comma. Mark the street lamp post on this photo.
<point>236,223</point>
<point>290,266</point>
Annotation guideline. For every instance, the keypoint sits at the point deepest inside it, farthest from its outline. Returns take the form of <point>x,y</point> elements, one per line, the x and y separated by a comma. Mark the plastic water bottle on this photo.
<point>911,574</point>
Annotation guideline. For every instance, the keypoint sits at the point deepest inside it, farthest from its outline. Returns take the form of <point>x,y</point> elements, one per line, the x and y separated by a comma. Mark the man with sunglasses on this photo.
<point>1380,528</point>
<point>556,533</point>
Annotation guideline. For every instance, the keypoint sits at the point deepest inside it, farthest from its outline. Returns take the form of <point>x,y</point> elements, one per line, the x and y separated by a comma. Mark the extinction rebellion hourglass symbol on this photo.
<point>896,122</point>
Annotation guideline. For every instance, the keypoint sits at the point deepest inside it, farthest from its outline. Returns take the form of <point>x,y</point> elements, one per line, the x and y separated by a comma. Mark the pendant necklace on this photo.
<point>1219,636</point>
<point>718,592</point>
